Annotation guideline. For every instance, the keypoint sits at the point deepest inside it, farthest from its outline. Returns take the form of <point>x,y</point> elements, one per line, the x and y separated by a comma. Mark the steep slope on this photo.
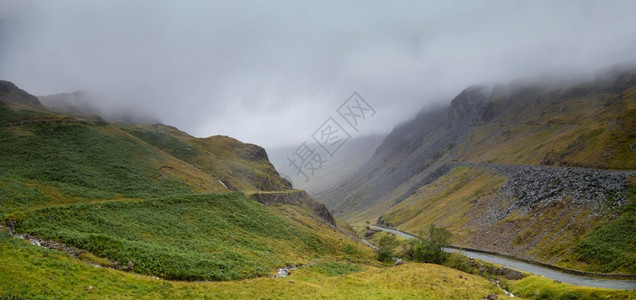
<point>154,200</point>
<point>237,165</point>
<point>424,172</point>
<point>49,157</point>
<point>192,237</point>
<point>52,158</point>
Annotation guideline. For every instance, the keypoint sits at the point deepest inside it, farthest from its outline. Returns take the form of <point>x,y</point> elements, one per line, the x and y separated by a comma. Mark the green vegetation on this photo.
<point>425,251</point>
<point>386,247</point>
<point>195,237</point>
<point>88,161</point>
<point>335,268</point>
<point>439,236</point>
<point>612,247</point>
<point>163,141</point>
<point>539,287</point>
<point>37,273</point>
<point>429,250</point>
<point>460,262</point>
<point>241,166</point>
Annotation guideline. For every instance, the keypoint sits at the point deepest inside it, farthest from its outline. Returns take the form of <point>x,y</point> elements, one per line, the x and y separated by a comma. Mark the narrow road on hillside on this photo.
<point>534,269</point>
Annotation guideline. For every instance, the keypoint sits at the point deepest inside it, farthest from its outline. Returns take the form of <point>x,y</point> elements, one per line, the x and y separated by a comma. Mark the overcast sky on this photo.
<point>271,72</point>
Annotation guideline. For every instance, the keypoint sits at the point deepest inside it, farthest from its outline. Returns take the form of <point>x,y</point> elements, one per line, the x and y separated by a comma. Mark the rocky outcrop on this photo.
<point>541,185</point>
<point>531,188</point>
<point>299,198</point>
<point>485,269</point>
<point>471,106</point>
<point>529,207</point>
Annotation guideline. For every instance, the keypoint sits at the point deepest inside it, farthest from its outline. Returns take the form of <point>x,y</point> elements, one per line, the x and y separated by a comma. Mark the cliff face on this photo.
<point>299,198</point>
<point>470,107</point>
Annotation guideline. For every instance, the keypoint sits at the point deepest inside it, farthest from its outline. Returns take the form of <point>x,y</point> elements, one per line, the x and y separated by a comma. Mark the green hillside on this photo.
<point>238,165</point>
<point>151,199</point>
<point>48,158</point>
<point>190,237</point>
<point>531,169</point>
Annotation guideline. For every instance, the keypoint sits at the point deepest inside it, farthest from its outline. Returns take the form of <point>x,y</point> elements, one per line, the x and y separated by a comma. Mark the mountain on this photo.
<point>154,200</point>
<point>532,169</point>
<point>92,209</point>
<point>9,92</point>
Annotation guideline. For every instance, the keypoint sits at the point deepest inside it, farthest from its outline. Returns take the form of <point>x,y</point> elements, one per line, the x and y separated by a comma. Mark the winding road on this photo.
<point>534,269</point>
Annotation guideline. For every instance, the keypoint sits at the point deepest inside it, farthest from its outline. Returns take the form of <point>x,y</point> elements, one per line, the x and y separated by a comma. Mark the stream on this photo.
<point>534,269</point>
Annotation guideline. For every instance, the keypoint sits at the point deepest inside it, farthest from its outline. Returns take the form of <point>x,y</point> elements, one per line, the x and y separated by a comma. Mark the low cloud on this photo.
<point>271,72</point>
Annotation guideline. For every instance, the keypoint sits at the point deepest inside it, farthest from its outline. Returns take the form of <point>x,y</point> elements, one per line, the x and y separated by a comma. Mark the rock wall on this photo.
<point>300,198</point>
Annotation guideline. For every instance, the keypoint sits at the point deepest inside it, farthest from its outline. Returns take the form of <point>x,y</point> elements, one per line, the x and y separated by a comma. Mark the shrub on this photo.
<point>439,236</point>
<point>425,251</point>
<point>429,251</point>
<point>385,254</point>
<point>387,244</point>
<point>458,261</point>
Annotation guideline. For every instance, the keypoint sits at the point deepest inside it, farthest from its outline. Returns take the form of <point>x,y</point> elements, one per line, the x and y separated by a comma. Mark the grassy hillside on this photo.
<point>238,165</point>
<point>612,246</point>
<point>53,159</point>
<point>35,272</point>
<point>192,237</point>
<point>137,197</point>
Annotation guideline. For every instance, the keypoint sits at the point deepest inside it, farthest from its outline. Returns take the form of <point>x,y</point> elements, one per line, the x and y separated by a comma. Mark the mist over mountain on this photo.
<point>345,162</point>
<point>83,103</point>
<point>502,165</point>
<point>230,67</point>
<point>317,150</point>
